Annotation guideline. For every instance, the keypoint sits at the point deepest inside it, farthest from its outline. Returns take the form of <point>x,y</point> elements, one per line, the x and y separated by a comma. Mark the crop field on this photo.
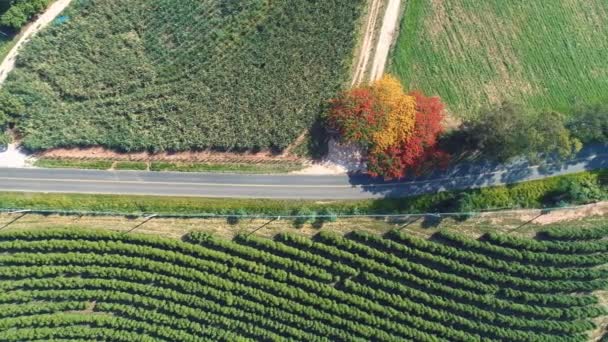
<point>83,285</point>
<point>548,55</point>
<point>180,75</point>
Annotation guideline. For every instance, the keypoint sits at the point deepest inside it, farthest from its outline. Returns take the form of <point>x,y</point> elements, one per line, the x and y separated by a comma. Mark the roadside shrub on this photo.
<point>589,124</point>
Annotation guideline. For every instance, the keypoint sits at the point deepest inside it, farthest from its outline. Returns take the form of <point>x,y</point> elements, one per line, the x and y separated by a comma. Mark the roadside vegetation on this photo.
<point>546,55</point>
<point>158,76</point>
<point>88,285</point>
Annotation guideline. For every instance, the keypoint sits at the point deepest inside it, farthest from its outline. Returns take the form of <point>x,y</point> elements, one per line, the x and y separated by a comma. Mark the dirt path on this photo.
<point>8,64</point>
<point>386,38</point>
<point>367,43</point>
<point>377,41</point>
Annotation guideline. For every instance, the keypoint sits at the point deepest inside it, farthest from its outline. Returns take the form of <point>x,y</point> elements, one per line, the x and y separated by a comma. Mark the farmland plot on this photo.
<point>549,55</point>
<point>180,75</point>
<point>77,285</point>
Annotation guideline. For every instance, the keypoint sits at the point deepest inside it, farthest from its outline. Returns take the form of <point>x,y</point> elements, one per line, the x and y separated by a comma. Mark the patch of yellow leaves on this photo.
<point>401,113</point>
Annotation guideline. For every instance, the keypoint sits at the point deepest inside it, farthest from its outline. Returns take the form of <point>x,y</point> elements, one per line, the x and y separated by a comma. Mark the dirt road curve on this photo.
<point>386,38</point>
<point>44,19</point>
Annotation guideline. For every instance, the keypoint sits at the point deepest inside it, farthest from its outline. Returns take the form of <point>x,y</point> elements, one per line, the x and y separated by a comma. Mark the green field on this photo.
<point>544,54</point>
<point>77,285</point>
<point>181,75</point>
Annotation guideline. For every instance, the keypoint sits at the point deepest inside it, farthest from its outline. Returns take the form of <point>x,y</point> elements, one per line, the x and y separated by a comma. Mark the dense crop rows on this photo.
<point>179,75</point>
<point>549,55</point>
<point>87,285</point>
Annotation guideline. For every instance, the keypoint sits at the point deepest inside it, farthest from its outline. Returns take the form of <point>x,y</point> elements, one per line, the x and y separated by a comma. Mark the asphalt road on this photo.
<point>282,186</point>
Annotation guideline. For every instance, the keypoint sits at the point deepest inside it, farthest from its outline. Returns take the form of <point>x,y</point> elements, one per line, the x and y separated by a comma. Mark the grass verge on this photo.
<point>555,191</point>
<point>73,164</point>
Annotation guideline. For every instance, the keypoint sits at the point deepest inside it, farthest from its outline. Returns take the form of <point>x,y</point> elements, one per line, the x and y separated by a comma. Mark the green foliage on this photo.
<point>475,54</point>
<point>100,285</point>
<point>180,75</point>
<point>21,11</point>
<point>589,124</point>
<point>580,191</point>
<point>510,131</point>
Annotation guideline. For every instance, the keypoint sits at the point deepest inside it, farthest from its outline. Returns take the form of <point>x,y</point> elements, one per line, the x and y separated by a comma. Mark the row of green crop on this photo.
<point>569,234</point>
<point>562,247</point>
<point>523,256</point>
<point>480,261</point>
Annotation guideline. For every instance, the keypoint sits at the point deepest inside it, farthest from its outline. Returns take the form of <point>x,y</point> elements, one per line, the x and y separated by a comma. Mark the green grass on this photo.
<point>534,194</point>
<point>544,54</point>
<point>131,165</point>
<point>73,164</point>
<point>181,75</point>
<point>58,284</point>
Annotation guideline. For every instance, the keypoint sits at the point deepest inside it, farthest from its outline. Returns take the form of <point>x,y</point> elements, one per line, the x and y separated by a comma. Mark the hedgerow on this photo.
<point>179,75</point>
<point>94,285</point>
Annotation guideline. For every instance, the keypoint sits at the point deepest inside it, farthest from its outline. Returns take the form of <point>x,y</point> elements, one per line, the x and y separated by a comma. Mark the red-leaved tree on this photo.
<point>356,115</point>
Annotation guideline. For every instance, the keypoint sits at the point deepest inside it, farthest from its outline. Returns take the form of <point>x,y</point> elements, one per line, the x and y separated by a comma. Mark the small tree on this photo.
<point>510,130</point>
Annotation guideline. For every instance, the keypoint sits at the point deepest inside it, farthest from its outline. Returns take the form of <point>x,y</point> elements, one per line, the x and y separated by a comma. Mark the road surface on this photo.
<point>280,186</point>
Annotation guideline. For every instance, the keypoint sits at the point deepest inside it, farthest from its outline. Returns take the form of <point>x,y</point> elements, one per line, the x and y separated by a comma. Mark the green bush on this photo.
<point>590,124</point>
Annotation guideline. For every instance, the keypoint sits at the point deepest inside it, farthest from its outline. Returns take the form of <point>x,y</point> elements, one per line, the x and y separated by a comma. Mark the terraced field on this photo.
<point>544,54</point>
<point>75,285</point>
<point>182,74</point>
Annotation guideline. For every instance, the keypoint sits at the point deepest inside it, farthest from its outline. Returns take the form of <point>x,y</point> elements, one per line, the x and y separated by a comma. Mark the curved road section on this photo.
<point>285,186</point>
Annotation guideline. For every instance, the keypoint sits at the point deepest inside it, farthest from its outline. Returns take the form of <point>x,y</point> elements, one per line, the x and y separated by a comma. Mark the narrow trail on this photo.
<point>8,64</point>
<point>386,38</point>
<point>367,44</point>
<point>377,43</point>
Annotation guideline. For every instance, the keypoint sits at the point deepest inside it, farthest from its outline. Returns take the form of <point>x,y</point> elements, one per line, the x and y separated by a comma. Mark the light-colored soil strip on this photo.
<point>388,34</point>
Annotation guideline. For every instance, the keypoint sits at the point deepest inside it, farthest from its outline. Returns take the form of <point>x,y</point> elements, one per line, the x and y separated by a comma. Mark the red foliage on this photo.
<point>356,115</point>
<point>420,152</point>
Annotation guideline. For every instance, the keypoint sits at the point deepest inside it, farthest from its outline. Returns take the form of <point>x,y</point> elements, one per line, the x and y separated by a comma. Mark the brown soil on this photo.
<point>190,156</point>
